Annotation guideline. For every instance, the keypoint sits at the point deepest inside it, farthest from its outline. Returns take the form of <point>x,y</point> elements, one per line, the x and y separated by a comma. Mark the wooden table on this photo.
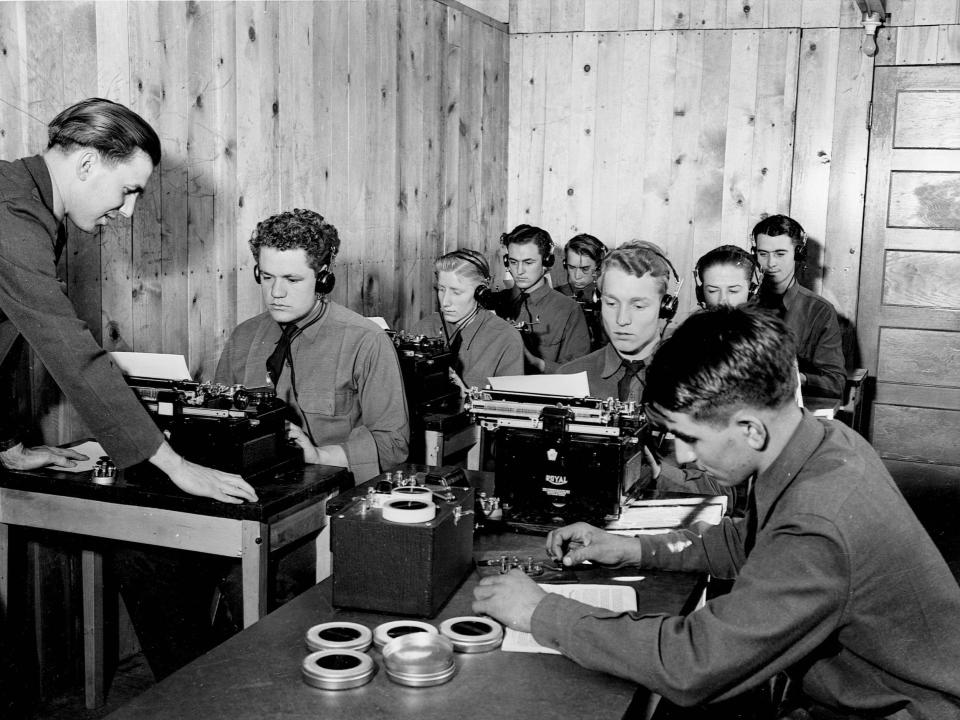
<point>143,506</point>
<point>256,674</point>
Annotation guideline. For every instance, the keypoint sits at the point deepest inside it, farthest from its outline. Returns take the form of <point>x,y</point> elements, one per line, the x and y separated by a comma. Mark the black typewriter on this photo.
<point>231,428</point>
<point>560,460</point>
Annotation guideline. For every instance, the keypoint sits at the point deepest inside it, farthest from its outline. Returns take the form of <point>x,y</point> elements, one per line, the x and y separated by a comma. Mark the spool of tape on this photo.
<point>413,492</point>
<point>337,669</point>
<point>401,510</point>
<point>385,632</point>
<point>472,633</point>
<point>339,636</point>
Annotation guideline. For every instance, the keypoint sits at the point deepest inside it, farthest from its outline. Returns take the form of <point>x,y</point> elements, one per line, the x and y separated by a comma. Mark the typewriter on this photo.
<point>231,428</point>
<point>561,459</point>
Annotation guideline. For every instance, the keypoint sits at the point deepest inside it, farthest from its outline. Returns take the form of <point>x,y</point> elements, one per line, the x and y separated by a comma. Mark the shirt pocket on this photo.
<point>317,401</point>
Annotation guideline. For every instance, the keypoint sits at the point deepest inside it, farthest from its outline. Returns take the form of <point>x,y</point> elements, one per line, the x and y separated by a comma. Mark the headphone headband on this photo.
<point>466,255</point>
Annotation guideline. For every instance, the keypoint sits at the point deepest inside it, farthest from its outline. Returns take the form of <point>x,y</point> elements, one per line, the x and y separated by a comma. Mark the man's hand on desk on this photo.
<point>202,481</point>
<point>579,542</point>
<point>19,457</point>
<point>509,599</point>
<point>313,455</point>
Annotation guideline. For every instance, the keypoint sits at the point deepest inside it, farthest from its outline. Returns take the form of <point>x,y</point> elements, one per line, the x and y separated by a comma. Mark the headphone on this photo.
<point>484,296</point>
<point>728,255</point>
<point>669,302</point>
<point>522,234</point>
<point>323,285</point>
<point>588,245</point>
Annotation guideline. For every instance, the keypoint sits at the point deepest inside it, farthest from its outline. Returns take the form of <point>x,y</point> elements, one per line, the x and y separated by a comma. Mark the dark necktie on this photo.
<point>631,370</point>
<point>281,352</point>
<point>521,304</point>
<point>455,344</point>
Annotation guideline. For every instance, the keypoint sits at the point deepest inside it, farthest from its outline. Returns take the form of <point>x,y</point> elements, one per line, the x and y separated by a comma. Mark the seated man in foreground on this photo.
<point>836,582</point>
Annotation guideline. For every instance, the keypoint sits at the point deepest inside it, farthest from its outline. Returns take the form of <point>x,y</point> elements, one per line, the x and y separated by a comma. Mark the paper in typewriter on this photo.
<point>619,598</point>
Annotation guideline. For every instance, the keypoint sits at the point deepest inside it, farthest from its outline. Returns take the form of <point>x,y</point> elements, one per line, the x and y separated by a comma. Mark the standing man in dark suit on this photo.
<point>99,157</point>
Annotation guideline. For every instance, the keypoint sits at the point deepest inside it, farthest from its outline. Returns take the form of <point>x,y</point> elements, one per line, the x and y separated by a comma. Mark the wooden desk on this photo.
<point>256,674</point>
<point>145,507</point>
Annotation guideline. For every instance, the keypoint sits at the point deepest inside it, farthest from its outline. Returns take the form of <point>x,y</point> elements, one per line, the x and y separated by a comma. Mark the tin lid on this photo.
<point>385,632</point>
<point>409,510</point>
<point>415,680</point>
<point>413,492</point>
<point>339,636</point>
<point>472,633</point>
<point>337,669</point>
<point>419,655</point>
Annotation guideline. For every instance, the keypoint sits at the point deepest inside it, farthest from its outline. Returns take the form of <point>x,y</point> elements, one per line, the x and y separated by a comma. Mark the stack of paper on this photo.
<point>619,598</point>
<point>667,513</point>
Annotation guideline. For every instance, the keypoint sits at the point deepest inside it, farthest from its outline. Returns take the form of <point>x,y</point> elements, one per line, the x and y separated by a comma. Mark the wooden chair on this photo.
<point>853,410</point>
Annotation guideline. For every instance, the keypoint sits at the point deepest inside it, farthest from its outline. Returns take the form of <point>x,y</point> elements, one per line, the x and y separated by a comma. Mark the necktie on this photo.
<point>281,352</point>
<point>455,350</point>
<point>631,371</point>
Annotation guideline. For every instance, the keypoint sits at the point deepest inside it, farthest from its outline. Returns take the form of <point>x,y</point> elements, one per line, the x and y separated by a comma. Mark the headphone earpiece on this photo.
<point>698,287</point>
<point>550,258</point>
<point>485,297</point>
<point>668,303</point>
<point>323,285</point>
<point>800,251</point>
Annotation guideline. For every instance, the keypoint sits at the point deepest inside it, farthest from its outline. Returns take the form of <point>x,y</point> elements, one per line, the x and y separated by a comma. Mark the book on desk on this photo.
<point>670,511</point>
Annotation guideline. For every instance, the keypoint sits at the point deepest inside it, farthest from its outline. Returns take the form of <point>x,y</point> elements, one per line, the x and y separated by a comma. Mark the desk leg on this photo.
<point>255,570</point>
<point>92,573</point>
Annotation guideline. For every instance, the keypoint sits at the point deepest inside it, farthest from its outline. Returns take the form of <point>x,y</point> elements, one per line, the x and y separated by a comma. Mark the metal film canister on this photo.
<point>339,636</point>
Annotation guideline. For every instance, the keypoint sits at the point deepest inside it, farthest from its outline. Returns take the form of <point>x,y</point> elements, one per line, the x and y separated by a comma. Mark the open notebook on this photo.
<point>619,598</point>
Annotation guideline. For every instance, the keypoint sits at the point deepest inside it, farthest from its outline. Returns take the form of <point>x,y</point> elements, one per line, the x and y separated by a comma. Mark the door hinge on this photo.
<point>870,115</point>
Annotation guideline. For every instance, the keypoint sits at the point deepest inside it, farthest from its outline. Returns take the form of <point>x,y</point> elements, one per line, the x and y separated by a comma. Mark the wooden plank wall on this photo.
<point>388,117</point>
<point>681,121</point>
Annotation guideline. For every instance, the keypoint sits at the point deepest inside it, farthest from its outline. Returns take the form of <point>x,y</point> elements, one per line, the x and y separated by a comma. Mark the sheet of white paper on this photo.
<point>619,598</point>
<point>92,449</point>
<point>379,322</point>
<point>152,365</point>
<point>575,385</point>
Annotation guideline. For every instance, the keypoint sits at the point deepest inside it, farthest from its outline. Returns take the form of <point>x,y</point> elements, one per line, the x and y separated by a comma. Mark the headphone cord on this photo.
<point>293,371</point>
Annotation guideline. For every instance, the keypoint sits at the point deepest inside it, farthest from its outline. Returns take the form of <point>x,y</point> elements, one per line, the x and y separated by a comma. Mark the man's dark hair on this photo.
<point>112,129</point>
<point>523,234</point>
<point>775,225</point>
<point>295,229</point>
<point>721,360</point>
<point>584,244</point>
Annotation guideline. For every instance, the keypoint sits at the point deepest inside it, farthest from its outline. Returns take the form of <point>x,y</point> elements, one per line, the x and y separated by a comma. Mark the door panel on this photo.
<point>909,323</point>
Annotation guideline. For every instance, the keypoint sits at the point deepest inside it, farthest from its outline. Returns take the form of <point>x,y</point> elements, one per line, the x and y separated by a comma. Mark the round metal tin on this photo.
<point>339,636</point>
<point>385,632</point>
<point>408,510</point>
<point>472,633</point>
<point>337,669</point>
<point>413,492</point>
<point>422,680</point>
<point>419,656</point>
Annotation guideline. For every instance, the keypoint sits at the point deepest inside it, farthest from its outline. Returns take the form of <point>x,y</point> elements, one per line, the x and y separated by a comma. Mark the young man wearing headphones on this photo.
<point>552,325</point>
<point>582,256</point>
<point>779,245</point>
<point>636,308</point>
<point>337,371</point>
<point>485,345</point>
<point>339,374</point>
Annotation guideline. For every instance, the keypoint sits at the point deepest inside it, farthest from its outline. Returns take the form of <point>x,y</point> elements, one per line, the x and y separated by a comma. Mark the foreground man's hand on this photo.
<point>509,599</point>
<point>202,481</point>
<point>23,458</point>
<point>579,542</point>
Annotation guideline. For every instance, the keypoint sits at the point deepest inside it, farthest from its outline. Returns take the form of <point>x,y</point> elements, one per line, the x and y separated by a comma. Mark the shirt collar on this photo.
<point>790,296</point>
<point>612,362</point>
<point>536,295</point>
<point>773,481</point>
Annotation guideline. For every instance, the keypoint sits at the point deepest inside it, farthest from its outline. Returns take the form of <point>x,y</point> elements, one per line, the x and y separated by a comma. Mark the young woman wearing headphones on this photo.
<point>485,345</point>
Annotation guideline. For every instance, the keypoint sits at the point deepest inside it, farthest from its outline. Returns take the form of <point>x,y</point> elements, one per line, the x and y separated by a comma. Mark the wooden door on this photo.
<point>909,319</point>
